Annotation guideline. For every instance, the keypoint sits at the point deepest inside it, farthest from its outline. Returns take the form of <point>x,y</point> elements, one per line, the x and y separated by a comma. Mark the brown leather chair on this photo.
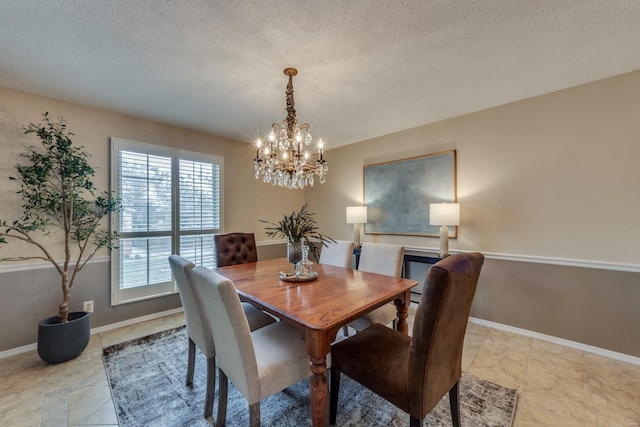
<point>414,373</point>
<point>235,248</point>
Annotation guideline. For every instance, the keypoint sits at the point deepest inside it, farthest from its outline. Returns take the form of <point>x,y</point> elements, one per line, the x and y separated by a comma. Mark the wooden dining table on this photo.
<point>319,308</point>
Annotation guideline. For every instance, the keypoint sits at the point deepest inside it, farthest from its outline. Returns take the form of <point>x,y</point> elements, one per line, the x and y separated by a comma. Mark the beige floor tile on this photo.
<point>162,324</point>
<point>23,377</point>
<point>120,335</point>
<point>617,407</point>
<point>606,422</point>
<point>508,340</point>
<point>563,364</point>
<point>553,348</point>
<point>21,418</point>
<point>500,364</point>
<point>23,408</point>
<point>468,354</point>
<point>474,340</point>
<point>69,376</point>
<point>20,363</point>
<point>613,374</point>
<point>615,387</point>
<point>551,389</point>
<point>91,405</point>
<point>22,388</point>
<point>55,412</point>
<point>531,412</point>
<point>480,330</point>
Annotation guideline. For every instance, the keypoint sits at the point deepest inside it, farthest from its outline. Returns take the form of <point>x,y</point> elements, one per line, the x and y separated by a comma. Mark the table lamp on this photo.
<point>356,215</point>
<point>444,214</point>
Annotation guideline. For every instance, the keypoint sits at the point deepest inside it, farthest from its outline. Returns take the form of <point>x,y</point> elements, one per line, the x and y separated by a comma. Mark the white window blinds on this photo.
<point>171,203</point>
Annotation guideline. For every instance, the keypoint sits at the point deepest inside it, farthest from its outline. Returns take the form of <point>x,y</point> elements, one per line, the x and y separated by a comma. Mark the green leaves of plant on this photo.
<point>297,226</point>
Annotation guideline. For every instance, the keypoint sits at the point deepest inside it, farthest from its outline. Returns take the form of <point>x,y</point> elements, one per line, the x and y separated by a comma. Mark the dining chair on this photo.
<point>380,258</point>
<point>235,248</point>
<point>338,253</point>
<point>414,373</point>
<point>258,363</point>
<point>199,328</point>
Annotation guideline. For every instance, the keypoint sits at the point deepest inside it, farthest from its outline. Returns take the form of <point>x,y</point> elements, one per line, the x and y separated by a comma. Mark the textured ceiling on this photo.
<point>366,68</point>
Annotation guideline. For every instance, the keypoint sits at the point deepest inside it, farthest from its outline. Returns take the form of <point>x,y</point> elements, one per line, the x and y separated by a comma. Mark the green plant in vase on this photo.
<point>298,229</point>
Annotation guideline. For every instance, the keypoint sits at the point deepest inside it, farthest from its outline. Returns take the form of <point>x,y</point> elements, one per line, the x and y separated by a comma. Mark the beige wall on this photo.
<point>544,181</point>
<point>26,300</point>
<point>553,176</point>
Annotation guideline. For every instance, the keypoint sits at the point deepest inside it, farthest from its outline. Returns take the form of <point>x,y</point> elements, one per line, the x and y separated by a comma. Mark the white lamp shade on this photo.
<point>444,213</point>
<point>356,214</point>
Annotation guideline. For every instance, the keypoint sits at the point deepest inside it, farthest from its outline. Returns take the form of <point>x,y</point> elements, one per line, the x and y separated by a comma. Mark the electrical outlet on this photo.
<point>88,306</point>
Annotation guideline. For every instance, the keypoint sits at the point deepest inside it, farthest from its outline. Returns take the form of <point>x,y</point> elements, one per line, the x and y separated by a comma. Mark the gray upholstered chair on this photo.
<point>199,327</point>
<point>235,248</point>
<point>414,373</point>
<point>380,258</point>
<point>259,363</point>
<point>338,253</point>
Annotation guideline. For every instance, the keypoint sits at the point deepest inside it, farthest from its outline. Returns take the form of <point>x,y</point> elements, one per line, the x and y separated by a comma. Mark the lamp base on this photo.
<point>356,236</point>
<point>444,241</point>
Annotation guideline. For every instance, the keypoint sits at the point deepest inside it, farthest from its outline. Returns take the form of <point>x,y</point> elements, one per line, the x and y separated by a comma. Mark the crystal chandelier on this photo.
<point>284,158</point>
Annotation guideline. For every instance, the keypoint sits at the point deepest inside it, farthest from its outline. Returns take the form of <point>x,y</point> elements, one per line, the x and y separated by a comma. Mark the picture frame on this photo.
<point>397,193</point>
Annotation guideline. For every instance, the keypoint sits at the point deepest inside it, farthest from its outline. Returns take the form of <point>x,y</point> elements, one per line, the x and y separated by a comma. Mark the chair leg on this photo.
<point>191,362</point>
<point>211,386</point>
<point>333,395</point>
<point>254,414</point>
<point>414,422</point>
<point>223,388</point>
<point>345,330</point>
<point>454,402</point>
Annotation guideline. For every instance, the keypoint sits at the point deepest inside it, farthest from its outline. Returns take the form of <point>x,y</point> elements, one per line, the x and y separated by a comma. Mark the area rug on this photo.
<point>147,378</point>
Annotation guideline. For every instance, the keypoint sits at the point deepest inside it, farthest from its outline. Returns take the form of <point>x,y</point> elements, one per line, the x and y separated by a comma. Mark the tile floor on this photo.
<point>557,386</point>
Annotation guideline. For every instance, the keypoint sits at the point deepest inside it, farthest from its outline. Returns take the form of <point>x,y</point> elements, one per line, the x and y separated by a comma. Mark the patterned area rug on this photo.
<point>147,382</point>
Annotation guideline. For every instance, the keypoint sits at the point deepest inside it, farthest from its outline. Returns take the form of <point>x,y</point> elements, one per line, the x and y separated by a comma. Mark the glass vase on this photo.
<point>294,253</point>
<point>304,268</point>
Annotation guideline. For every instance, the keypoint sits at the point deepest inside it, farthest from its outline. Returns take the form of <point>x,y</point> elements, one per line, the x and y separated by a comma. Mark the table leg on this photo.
<point>403,313</point>
<point>318,391</point>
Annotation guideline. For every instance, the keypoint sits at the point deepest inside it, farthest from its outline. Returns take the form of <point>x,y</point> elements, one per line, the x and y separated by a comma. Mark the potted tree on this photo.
<point>58,194</point>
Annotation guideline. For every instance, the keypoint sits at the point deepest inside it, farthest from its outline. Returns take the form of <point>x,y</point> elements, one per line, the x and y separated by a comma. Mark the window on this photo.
<point>171,203</point>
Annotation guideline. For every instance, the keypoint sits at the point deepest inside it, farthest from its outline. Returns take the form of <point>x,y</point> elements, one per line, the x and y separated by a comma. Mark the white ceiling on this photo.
<point>366,67</point>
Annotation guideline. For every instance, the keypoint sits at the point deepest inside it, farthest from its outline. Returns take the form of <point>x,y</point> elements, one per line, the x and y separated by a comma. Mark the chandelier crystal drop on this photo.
<point>285,157</point>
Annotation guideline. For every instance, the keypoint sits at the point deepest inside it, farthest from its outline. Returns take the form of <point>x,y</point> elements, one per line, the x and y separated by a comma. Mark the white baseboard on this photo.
<point>98,330</point>
<point>135,320</point>
<point>571,344</point>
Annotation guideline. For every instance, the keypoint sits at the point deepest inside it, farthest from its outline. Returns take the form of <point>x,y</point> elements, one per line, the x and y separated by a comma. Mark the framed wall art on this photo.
<point>398,193</point>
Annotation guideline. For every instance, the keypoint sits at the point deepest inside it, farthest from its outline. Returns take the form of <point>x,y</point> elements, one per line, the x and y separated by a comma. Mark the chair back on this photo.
<point>231,333</point>
<point>338,253</point>
<point>435,353</point>
<point>198,326</point>
<point>381,258</point>
<point>235,248</point>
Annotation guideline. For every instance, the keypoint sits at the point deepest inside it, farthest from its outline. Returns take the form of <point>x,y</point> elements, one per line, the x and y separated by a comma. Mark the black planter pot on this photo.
<point>59,342</point>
